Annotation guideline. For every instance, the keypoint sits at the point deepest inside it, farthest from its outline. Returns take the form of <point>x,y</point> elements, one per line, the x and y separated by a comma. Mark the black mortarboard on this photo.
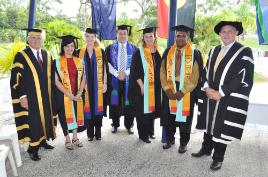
<point>125,27</point>
<point>91,31</point>
<point>67,39</point>
<point>31,31</point>
<point>182,28</point>
<point>148,30</point>
<point>236,24</point>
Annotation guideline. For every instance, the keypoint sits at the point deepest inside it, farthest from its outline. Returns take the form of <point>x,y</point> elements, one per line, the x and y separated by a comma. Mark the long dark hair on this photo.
<point>64,43</point>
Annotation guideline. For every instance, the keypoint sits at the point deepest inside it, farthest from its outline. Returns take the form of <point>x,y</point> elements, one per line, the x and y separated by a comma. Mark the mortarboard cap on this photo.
<point>91,31</point>
<point>182,28</point>
<point>148,30</point>
<point>125,27</point>
<point>67,39</point>
<point>33,31</point>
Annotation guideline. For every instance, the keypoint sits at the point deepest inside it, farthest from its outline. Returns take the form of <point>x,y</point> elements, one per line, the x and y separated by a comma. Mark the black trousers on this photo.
<point>184,127</point>
<point>219,148</point>
<point>94,127</point>
<point>143,129</point>
<point>151,128</point>
<point>34,149</point>
<point>117,111</point>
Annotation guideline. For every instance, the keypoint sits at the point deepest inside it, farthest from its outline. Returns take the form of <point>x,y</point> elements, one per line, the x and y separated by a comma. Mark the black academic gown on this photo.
<point>27,78</point>
<point>145,122</point>
<point>225,119</point>
<point>136,99</point>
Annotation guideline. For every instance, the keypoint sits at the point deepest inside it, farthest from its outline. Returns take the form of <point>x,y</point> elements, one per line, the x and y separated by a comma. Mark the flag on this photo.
<point>185,15</point>
<point>104,18</point>
<point>162,16</point>
<point>262,21</point>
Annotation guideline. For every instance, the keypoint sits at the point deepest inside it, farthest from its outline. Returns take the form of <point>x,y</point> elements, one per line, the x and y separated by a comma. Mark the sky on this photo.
<point>70,8</point>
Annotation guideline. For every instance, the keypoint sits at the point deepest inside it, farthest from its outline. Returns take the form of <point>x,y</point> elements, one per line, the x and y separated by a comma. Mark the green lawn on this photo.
<point>259,78</point>
<point>253,43</point>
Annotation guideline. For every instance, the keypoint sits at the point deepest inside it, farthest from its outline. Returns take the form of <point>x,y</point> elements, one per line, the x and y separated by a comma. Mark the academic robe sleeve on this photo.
<point>17,78</point>
<point>136,72</point>
<point>242,81</point>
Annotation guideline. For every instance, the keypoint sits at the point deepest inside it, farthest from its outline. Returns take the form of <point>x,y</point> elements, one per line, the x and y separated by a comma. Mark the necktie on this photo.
<point>178,62</point>
<point>39,60</point>
<point>219,58</point>
<point>122,59</point>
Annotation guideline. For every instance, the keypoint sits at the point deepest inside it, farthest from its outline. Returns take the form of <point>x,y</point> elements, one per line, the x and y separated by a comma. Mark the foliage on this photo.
<point>58,28</point>
<point>6,62</point>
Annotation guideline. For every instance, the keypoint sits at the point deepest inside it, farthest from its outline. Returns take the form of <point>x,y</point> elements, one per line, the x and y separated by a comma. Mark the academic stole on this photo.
<point>62,68</point>
<point>180,108</point>
<point>98,82</point>
<point>149,89</point>
<point>114,58</point>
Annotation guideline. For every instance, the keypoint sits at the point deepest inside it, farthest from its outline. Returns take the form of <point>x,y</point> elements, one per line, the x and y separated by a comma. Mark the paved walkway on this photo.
<point>122,155</point>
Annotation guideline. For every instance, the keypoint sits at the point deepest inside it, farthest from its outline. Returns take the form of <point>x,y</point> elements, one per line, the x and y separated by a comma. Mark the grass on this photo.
<point>252,41</point>
<point>259,78</point>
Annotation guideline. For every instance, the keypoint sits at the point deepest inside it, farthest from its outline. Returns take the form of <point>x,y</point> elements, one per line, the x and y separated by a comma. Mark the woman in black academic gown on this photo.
<point>96,67</point>
<point>70,83</point>
<point>145,86</point>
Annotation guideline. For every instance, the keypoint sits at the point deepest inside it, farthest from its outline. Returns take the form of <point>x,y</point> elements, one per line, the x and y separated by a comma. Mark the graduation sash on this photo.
<point>97,63</point>
<point>114,58</point>
<point>180,108</point>
<point>72,120</point>
<point>149,89</point>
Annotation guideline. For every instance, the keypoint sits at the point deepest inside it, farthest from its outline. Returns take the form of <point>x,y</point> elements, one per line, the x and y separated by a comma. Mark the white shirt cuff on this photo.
<point>127,72</point>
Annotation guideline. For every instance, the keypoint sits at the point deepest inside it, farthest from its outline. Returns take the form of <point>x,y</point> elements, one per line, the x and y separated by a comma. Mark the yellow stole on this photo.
<point>68,104</point>
<point>150,76</point>
<point>187,68</point>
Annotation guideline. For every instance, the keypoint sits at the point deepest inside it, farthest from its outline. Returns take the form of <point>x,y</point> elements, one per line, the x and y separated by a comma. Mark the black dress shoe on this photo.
<point>182,149</point>
<point>130,131</point>
<point>147,141</point>
<point>200,153</point>
<point>152,136</point>
<point>98,138</point>
<point>34,156</point>
<point>167,146</point>
<point>90,139</point>
<point>215,165</point>
<point>114,129</point>
<point>47,146</point>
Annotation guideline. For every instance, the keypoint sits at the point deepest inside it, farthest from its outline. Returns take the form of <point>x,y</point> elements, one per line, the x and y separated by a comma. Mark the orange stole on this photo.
<point>170,65</point>
<point>68,104</point>
<point>99,83</point>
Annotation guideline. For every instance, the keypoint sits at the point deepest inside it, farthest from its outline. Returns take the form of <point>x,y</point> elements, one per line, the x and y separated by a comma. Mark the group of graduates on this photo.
<point>146,83</point>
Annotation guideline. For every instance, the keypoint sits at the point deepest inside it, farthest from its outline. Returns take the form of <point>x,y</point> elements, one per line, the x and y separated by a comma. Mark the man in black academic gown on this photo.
<point>30,85</point>
<point>186,86</point>
<point>227,81</point>
<point>119,55</point>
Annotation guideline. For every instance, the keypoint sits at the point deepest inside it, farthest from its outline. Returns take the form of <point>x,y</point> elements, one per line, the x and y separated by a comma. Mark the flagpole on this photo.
<point>32,12</point>
<point>172,21</point>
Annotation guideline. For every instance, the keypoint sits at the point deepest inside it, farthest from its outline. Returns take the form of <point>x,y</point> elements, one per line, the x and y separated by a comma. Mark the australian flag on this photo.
<point>104,18</point>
